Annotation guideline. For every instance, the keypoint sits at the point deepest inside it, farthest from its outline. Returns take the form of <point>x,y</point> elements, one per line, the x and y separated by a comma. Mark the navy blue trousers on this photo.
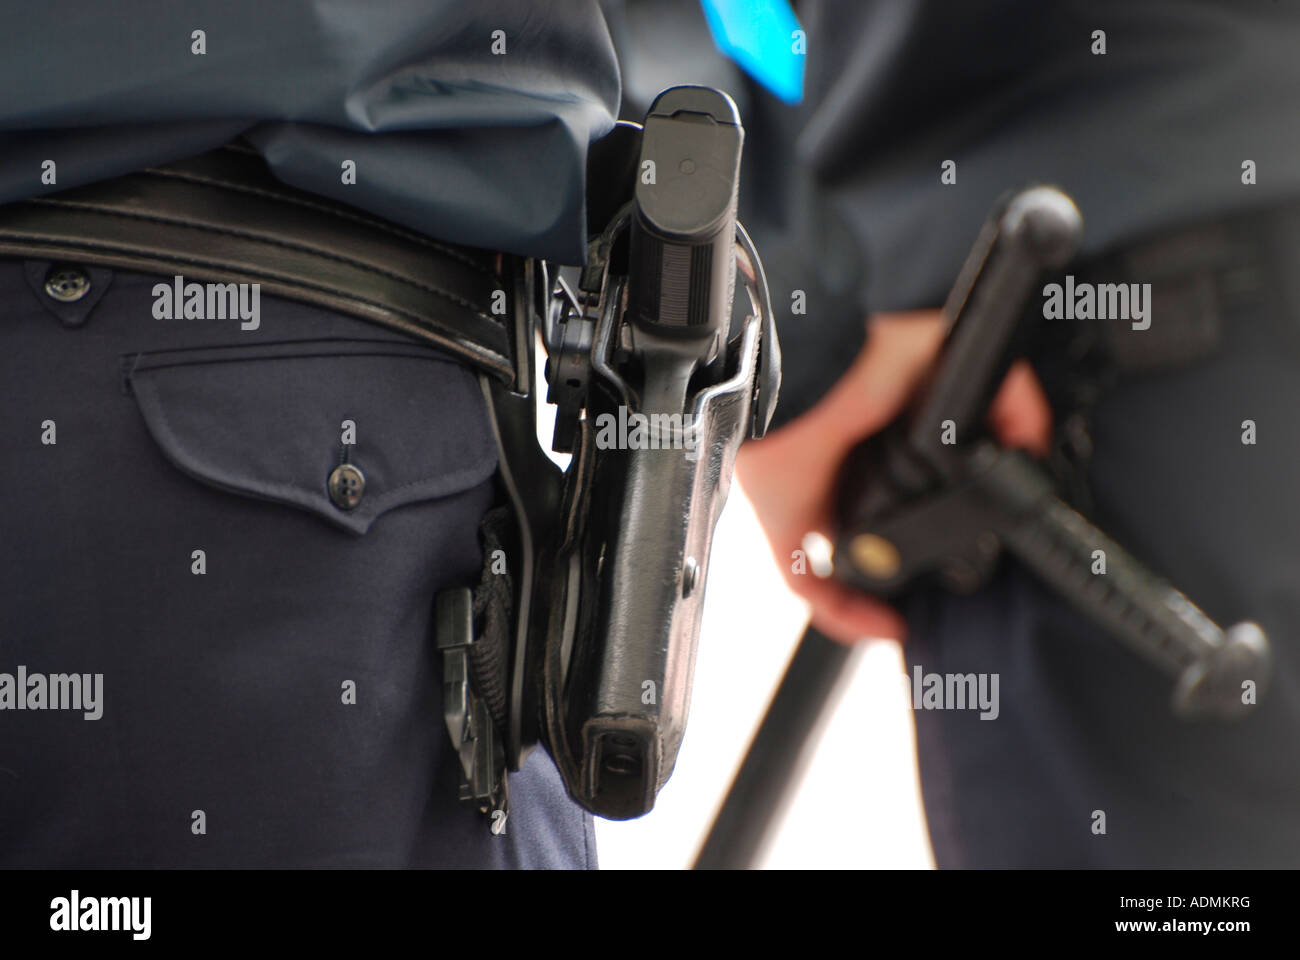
<point>270,692</point>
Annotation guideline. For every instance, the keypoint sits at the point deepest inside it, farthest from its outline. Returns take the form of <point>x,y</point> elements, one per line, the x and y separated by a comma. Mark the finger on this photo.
<point>899,348</point>
<point>1020,415</point>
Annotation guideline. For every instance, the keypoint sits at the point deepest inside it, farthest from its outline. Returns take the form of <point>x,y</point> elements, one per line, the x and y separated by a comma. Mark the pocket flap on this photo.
<point>273,421</point>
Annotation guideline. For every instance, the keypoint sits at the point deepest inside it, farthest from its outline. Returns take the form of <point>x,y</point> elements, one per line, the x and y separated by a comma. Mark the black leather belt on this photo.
<point>223,217</point>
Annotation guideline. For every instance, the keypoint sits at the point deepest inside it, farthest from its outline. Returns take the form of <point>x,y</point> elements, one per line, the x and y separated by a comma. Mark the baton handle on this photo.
<point>770,770</point>
<point>1105,582</point>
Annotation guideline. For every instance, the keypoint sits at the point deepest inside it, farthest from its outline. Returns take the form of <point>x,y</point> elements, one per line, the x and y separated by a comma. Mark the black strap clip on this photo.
<point>469,721</point>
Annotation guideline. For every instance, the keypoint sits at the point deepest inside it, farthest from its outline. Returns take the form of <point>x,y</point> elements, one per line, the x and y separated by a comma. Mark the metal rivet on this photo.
<point>347,484</point>
<point>67,284</point>
<point>690,576</point>
<point>875,556</point>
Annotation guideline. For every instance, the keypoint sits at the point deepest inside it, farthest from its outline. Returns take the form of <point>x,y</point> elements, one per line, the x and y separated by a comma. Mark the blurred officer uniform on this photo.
<point>1171,124</point>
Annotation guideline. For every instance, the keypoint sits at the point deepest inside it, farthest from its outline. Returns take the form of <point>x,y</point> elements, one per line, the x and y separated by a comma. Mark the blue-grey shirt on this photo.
<point>469,122</point>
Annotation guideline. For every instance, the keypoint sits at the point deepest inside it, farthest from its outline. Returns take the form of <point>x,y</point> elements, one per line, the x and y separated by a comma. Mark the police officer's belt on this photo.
<point>223,217</point>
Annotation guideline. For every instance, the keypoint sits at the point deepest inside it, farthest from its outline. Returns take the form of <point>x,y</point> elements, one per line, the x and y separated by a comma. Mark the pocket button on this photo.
<point>67,284</point>
<point>347,484</point>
